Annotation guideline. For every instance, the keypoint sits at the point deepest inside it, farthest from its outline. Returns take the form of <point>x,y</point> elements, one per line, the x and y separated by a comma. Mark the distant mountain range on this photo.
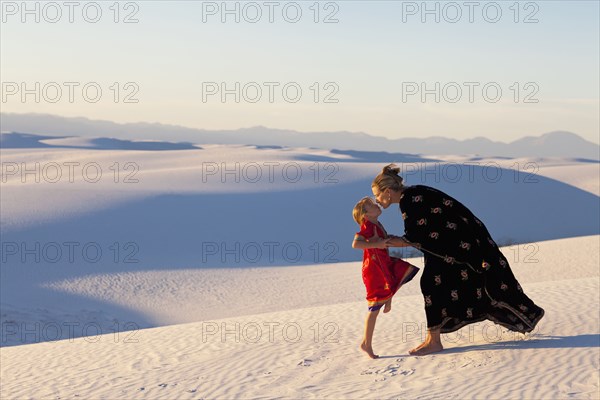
<point>552,144</point>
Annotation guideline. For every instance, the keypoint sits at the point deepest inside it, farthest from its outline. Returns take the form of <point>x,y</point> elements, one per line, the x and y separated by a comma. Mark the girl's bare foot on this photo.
<point>368,350</point>
<point>388,306</point>
<point>425,348</point>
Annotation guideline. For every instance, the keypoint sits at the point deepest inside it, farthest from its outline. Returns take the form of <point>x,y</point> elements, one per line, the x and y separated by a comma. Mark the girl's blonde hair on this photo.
<point>388,178</point>
<point>358,213</point>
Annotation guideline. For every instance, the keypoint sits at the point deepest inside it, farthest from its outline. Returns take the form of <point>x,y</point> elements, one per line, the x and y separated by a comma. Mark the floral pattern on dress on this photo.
<point>466,278</point>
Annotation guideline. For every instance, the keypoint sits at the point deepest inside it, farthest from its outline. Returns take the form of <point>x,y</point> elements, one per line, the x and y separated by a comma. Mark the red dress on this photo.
<point>383,275</point>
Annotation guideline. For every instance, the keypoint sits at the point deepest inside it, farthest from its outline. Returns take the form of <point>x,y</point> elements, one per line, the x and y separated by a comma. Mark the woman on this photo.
<point>466,278</point>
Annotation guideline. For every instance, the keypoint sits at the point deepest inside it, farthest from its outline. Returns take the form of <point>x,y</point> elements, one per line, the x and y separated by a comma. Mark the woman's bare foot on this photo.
<point>388,306</point>
<point>432,344</point>
<point>425,348</point>
<point>368,350</point>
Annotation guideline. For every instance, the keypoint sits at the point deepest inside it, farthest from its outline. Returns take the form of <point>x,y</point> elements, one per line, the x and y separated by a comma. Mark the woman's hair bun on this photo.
<point>393,170</point>
<point>388,178</point>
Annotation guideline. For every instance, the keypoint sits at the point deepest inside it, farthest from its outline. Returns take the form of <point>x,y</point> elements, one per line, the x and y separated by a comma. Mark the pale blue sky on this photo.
<point>368,54</point>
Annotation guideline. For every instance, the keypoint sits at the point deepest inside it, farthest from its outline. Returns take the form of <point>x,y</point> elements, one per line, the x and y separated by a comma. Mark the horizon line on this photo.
<point>289,129</point>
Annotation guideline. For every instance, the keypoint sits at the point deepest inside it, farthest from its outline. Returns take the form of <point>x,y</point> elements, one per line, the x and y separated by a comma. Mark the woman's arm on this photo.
<point>360,242</point>
<point>398,241</point>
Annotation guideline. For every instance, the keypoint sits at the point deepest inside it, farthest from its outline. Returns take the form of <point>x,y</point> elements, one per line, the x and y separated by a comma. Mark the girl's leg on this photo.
<point>366,344</point>
<point>432,344</point>
<point>388,306</point>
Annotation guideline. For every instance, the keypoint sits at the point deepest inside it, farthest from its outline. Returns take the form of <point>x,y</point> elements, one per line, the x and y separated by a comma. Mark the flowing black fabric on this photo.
<point>466,278</point>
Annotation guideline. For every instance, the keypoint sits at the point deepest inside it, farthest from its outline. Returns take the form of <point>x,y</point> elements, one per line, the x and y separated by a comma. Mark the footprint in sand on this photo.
<point>305,362</point>
<point>390,370</point>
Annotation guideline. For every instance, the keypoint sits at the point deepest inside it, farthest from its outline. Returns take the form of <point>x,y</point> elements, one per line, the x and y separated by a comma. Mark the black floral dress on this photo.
<point>466,278</point>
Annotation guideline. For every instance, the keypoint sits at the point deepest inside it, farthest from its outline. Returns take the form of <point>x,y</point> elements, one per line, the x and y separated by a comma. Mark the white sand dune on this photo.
<point>313,352</point>
<point>170,297</point>
<point>162,317</point>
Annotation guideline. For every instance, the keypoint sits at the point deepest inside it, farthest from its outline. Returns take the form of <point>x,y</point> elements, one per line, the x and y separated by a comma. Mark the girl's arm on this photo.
<point>360,242</point>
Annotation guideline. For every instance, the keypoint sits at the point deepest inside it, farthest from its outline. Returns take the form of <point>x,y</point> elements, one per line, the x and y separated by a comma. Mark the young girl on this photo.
<point>382,275</point>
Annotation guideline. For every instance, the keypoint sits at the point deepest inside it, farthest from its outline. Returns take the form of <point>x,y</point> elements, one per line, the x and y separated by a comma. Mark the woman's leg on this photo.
<point>432,344</point>
<point>433,281</point>
<point>367,343</point>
